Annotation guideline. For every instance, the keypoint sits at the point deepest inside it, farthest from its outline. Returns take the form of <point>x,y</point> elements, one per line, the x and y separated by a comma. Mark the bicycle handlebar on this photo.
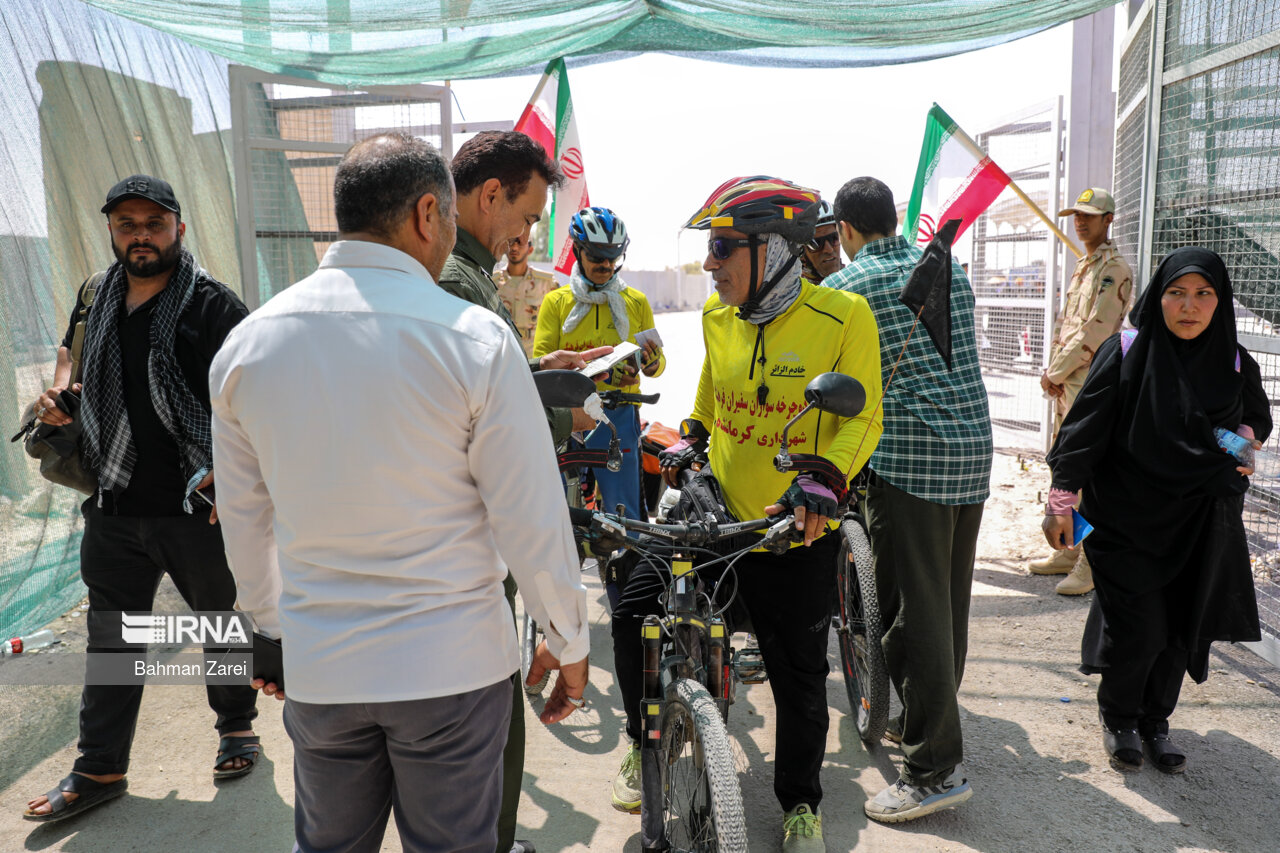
<point>695,534</point>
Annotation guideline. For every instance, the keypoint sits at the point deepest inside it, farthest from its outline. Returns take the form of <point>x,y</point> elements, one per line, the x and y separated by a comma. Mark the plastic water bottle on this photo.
<point>38,640</point>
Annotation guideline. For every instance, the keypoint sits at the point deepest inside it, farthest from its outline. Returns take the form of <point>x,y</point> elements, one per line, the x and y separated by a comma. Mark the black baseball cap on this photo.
<point>143,186</point>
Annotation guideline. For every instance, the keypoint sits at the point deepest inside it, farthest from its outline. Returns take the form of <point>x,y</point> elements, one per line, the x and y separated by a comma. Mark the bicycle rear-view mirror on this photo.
<point>828,392</point>
<point>563,389</point>
<point>836,393</point>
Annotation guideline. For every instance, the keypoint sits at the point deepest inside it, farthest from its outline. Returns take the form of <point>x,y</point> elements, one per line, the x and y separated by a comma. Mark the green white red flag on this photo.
<point>954,180</point>
<point>548,118</point>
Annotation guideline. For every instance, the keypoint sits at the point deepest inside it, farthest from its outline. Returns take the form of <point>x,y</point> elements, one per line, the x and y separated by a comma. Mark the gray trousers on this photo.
<point>437,762</point>
<point>923,554</point>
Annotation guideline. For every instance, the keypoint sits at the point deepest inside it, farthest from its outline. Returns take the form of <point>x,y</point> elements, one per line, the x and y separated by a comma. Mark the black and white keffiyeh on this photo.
<point>108,440</point>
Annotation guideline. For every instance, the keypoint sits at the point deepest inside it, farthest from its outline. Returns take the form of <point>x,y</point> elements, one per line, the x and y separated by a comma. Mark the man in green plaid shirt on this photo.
<point>930,475</point>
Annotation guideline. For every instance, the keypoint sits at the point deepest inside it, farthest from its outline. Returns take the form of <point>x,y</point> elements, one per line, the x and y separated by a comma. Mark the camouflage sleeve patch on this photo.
<point>1107,281</point>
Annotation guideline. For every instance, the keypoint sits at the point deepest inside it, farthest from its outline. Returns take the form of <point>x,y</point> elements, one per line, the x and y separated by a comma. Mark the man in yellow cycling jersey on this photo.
<point>767,334</point>
<point>596,308</point>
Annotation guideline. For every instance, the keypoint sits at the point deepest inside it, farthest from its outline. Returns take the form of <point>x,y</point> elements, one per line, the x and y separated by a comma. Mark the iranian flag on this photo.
<point>548,118</point>
<point>955,180</point>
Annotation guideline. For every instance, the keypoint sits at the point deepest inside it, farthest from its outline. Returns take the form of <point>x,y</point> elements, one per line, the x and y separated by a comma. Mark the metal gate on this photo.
<point>1016,275</point>
<point>288,135</point>
<point>1198,163</point>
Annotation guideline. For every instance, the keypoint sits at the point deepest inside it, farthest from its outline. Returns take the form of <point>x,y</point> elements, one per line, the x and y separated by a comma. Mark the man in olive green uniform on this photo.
<point>521,287</point>
<point>1097,300</point>
<point>501,180</point>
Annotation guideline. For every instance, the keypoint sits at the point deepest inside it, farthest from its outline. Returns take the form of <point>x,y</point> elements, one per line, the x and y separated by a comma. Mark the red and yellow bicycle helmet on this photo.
<point>761,205</point>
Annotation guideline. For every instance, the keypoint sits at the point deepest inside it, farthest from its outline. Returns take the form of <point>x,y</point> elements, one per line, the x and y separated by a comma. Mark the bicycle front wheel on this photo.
<point>859,631</point>
<point>701,800</point>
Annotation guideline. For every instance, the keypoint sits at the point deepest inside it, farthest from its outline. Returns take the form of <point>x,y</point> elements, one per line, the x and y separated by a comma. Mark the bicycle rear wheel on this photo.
<point>531,634</point>
<point>701,801</point>
<point>859,631</point>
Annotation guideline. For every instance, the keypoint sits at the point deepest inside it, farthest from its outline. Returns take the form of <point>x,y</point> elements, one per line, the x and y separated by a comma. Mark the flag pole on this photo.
<point>537,92</point>
<point>976,150</point>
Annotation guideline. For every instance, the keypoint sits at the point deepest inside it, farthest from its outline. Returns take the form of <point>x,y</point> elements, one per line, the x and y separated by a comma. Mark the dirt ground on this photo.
<point>1033,748</point>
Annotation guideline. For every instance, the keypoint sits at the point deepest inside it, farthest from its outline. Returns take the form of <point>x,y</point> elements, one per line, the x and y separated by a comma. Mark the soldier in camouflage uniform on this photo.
<point>1097,300</point>
<point>521,288</point>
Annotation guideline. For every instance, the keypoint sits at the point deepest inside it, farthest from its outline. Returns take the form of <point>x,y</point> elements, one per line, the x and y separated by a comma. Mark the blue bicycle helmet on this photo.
<point>599,231</point>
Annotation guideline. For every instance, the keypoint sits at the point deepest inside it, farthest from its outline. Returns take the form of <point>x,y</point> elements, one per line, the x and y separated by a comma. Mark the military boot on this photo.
<point>1058,564</point>
<point>1079,581</point>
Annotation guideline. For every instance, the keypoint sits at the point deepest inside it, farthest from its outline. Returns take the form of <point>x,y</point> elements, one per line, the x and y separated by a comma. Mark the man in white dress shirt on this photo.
<point>381,464</point>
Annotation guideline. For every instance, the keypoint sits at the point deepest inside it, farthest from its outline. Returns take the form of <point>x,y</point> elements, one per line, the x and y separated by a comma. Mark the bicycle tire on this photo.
<point>531,634</point>
<point>701,800</point>
<point>866,678</point>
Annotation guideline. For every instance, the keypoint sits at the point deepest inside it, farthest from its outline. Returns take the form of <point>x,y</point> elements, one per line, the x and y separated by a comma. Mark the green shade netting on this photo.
<point>93,90</point>
<point>368,42</point>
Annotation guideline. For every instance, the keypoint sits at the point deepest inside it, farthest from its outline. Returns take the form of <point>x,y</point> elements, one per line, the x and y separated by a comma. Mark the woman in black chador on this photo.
<point>1169,556</point>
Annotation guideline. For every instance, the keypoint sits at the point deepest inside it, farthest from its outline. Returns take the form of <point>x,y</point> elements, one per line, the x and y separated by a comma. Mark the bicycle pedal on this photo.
<point>748,665</point>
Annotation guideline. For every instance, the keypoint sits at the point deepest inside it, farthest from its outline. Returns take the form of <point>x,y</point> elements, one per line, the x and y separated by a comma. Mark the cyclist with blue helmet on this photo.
<point>597,308</point>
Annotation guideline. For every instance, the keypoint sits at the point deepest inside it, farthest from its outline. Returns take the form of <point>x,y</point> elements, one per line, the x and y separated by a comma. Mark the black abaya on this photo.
<point>1169,556</point>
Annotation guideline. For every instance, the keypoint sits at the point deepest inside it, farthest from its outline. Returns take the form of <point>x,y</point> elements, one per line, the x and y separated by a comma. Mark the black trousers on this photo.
<point>122,559</point>
<point>789,599</point>
<point>923,554</point>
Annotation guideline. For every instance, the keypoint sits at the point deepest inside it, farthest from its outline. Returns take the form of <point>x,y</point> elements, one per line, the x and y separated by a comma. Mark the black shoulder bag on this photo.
<point>58,447</point>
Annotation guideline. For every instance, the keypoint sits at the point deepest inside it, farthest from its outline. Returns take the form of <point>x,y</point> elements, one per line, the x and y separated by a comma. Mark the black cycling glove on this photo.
<point>691,446</point>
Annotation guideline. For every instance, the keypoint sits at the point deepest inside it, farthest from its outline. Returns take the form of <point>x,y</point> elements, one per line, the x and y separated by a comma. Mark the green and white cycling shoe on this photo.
<point>626,785</point>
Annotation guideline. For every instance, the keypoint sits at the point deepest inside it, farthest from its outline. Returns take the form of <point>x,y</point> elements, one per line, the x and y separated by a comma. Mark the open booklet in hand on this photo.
<point>605,363</point>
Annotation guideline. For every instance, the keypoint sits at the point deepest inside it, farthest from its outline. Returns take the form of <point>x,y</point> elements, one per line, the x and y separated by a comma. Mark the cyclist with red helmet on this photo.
<point>596,308</point>
<point>821,256</point>
<point>767,334</point>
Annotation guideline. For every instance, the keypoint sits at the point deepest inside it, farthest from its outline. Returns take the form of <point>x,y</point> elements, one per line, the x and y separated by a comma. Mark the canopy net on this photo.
<point>94,90</point>
<point>364,42</point>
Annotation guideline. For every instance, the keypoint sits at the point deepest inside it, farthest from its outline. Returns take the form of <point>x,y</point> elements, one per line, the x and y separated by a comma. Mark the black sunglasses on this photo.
<point>817,243</point>
<point>593,258</point>
<point>721,248</point>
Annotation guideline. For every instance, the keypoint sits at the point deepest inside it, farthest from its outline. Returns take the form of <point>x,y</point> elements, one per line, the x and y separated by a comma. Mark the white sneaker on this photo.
<point>903,801</point>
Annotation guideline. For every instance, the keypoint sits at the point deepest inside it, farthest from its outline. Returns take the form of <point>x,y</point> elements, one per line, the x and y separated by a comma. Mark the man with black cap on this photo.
<point>1097,301</point>
<point>152,323</point>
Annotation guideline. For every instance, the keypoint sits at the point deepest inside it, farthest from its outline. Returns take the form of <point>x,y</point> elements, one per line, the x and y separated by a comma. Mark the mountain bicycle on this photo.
<point>690,799</point>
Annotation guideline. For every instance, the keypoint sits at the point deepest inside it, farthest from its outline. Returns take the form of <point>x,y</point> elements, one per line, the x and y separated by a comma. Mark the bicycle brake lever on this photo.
<point>777,539</point>
<point>594,407</point>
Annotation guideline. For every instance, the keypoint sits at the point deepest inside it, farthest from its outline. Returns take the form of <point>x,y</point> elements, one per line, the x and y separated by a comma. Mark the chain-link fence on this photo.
<point>1198,138</point>
<point>1015,272</point>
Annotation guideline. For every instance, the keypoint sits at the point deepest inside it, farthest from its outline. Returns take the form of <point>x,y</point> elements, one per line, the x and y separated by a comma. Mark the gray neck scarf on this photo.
<point>784,293</point>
